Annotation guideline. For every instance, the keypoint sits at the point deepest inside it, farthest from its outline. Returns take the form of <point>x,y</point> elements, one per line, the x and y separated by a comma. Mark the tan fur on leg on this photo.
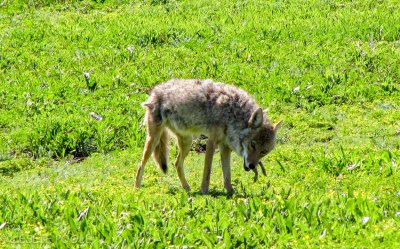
<point>226,166</point>
<point>152,139</point>
<point>207,165</point>
<point>161,151</point>
<point>184,148</point>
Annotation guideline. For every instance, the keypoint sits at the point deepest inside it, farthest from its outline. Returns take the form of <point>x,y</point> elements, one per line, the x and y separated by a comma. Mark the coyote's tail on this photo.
<point>161,151</point>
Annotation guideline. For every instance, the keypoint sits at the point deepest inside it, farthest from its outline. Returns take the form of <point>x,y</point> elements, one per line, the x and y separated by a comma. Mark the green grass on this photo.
<point>329,69</point>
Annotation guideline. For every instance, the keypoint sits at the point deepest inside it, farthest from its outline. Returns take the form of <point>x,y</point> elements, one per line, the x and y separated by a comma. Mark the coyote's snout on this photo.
<point>227,115</point>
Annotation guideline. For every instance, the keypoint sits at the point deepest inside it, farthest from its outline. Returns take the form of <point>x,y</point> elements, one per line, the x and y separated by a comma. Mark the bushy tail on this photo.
<point>161,152</point>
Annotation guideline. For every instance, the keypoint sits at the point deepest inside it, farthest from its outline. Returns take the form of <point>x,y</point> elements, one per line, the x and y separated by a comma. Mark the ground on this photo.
<point>73,75</point>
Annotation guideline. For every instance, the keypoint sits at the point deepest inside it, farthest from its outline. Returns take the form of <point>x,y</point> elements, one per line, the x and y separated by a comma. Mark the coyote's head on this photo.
<point>259,139</point>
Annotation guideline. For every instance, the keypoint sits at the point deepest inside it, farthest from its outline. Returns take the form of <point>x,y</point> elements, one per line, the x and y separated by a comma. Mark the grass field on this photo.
<point>329,69</point>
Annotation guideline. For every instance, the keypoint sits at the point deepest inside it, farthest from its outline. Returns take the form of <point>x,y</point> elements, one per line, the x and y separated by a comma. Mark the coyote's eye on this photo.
<point>264,152</point>
<point>253,145</point>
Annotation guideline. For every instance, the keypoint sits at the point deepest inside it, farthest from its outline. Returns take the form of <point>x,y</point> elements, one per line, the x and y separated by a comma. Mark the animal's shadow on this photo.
<point>214,192</point>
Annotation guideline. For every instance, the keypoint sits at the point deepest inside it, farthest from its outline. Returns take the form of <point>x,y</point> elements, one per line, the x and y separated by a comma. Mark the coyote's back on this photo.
<point>193,106</point>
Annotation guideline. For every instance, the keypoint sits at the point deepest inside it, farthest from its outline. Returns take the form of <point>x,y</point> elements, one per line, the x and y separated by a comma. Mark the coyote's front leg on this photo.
<point>226,166</point>
<point>210,149</point>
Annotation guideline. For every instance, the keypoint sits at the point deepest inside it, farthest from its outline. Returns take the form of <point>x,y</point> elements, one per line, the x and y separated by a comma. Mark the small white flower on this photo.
<point>296,89</point>
<point>87,75</point>
<point>322,234</point>
<point>371,45</point>
<point>130,49</point>
<point>352,166</point>
<point>83,214</point>
<point>96,116</point>
<point>364,220</point>
<point>3,225</point>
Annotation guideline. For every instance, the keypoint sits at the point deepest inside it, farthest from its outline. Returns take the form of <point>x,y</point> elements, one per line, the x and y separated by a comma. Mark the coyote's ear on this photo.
<point>256,118</point>
<point>277,125</point>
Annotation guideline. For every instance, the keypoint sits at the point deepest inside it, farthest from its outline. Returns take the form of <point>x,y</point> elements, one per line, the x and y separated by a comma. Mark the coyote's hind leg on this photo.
<point>154,132</point>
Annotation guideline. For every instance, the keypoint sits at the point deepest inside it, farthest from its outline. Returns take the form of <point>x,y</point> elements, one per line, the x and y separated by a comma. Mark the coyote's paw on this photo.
<point>204,191</point>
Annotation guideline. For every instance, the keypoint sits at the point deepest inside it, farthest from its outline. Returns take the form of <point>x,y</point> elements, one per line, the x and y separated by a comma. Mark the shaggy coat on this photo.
<point>229,117</point>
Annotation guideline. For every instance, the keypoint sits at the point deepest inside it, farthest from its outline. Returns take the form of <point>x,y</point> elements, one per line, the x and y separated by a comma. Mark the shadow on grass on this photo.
<point>212,193</point>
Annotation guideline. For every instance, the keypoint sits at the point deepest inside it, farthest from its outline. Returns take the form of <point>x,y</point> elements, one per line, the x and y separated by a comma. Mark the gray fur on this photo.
<point>226,114</point>
<point>193,106</point>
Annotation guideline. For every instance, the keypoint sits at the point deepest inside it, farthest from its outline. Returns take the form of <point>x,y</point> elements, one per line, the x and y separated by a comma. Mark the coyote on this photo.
<point>228,116</point>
